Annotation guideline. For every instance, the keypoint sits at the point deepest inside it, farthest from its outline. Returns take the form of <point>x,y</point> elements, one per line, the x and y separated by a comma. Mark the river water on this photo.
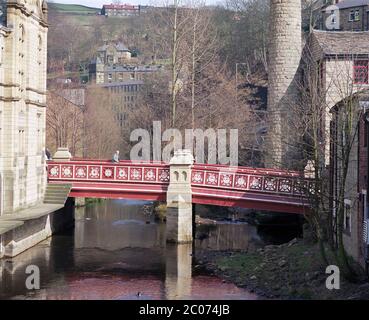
<point>118,251</point>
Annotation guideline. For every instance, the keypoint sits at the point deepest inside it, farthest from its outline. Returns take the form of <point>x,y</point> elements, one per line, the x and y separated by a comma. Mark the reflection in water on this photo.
<point>227,236</point>
<point>116,251</point>
<point>178,271</point>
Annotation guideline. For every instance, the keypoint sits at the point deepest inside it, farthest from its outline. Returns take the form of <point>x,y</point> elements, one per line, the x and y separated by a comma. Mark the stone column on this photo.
<point>62,154</point>
<point>284,54</point>
<point>179,198</point>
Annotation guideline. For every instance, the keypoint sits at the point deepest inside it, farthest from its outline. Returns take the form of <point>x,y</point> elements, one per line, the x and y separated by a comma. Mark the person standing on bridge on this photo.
<point>48,154</point>
<point>116,156</point>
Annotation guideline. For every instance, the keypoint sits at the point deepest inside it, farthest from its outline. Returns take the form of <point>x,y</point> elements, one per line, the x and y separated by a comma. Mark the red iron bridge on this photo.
<point>254,188</point>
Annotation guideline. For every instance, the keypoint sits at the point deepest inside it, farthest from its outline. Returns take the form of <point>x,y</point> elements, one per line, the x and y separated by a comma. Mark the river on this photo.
<point>118,251</point>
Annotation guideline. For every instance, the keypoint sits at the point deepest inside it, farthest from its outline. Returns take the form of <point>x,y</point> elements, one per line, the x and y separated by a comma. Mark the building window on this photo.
<point>110,76</point>
<point>361,71</point>
<point>21,142</point>
<point>357,15</point>
<point>352,15</point>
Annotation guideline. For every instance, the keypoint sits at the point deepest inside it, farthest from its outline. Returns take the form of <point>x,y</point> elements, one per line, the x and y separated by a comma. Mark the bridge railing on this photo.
<point>107,171</point>
<point>259,180</point>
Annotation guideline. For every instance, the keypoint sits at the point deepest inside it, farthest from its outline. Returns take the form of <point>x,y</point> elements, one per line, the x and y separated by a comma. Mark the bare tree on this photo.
<point>64,122</point>
<point>103,135</point>
<point>201,45</point>
<point>328,119</point>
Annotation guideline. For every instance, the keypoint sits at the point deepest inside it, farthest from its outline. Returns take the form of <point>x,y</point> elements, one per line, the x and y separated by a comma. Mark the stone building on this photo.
<point>355,204</point>
<point>343,57</point>
<point>352,15</point>
<point>340,60</point>
<point>115,70</point>
<point>128,92</point>
<point>120,10</point>
<point>114,63</point>
<point>27,213</point>
<point>109,55</point>
<point>23,43</point>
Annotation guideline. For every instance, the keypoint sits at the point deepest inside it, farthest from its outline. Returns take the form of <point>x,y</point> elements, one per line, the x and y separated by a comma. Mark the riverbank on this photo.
<point>290,271</point>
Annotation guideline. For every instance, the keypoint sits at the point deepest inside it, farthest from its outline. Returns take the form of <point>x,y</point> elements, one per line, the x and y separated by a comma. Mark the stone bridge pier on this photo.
<point>179,198</point>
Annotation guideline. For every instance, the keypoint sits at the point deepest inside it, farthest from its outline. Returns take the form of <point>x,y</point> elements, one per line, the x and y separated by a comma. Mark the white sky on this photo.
<point>99,3</point>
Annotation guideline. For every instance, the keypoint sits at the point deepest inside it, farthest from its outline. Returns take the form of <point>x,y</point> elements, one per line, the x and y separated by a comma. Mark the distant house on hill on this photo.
<point>122,10</point>
<point>113,64</point>
<point>116,71</point>
<point>352,15</point>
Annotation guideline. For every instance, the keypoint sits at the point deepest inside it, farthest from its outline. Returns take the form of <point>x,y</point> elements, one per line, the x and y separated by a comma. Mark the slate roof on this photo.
<point>352,3</point>
<point>342,42</point>
<point>122,83</point>
<point>119,68</point>
<point>120,6</point>
<point>119,46</point>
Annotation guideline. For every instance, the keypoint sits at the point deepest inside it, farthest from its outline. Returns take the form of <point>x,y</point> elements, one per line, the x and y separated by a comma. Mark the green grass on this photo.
<point>91,201</point>
<point>73,8</point>
<point>240,263</point>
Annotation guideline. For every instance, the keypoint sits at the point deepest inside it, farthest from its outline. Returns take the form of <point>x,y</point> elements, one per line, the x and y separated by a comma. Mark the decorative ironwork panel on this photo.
<point>135,174</point>
<point>122,173</point>
<point>80,172</point>
<point>212,178</point>
<point>198,177</point>
<point>241,181</point>
<point>94,172</point>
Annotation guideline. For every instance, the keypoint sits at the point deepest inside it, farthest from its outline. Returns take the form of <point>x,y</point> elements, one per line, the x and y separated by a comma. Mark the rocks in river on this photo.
<point>199,220</point>
<point>292,242</point>
<point>147,209</point>
<point>282,263</point>
<point>269,248</point>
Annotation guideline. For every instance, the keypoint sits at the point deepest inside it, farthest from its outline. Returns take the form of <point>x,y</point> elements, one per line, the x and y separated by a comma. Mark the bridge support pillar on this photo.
<point>62,154</point>
<point>179,198</point>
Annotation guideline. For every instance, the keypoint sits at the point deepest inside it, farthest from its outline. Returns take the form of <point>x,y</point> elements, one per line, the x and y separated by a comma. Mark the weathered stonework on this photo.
<point>285,46</point>
<point>23,49</point>
<point>179,198</point>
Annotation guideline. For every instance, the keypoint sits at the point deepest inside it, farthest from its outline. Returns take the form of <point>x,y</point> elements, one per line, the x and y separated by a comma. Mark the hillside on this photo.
<point>72,9</point>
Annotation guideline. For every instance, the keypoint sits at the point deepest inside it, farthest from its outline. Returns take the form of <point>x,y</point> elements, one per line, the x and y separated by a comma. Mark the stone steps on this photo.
<point>57,193</point>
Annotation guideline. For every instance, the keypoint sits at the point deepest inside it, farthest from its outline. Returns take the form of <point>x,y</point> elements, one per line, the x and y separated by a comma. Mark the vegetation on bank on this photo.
<point>89,201</point>
<point>94,200</point>
<point>294,270</point>
<point>160,211</point>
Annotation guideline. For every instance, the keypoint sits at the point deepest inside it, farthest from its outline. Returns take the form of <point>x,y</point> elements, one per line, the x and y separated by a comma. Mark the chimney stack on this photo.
<point>284,54</point>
